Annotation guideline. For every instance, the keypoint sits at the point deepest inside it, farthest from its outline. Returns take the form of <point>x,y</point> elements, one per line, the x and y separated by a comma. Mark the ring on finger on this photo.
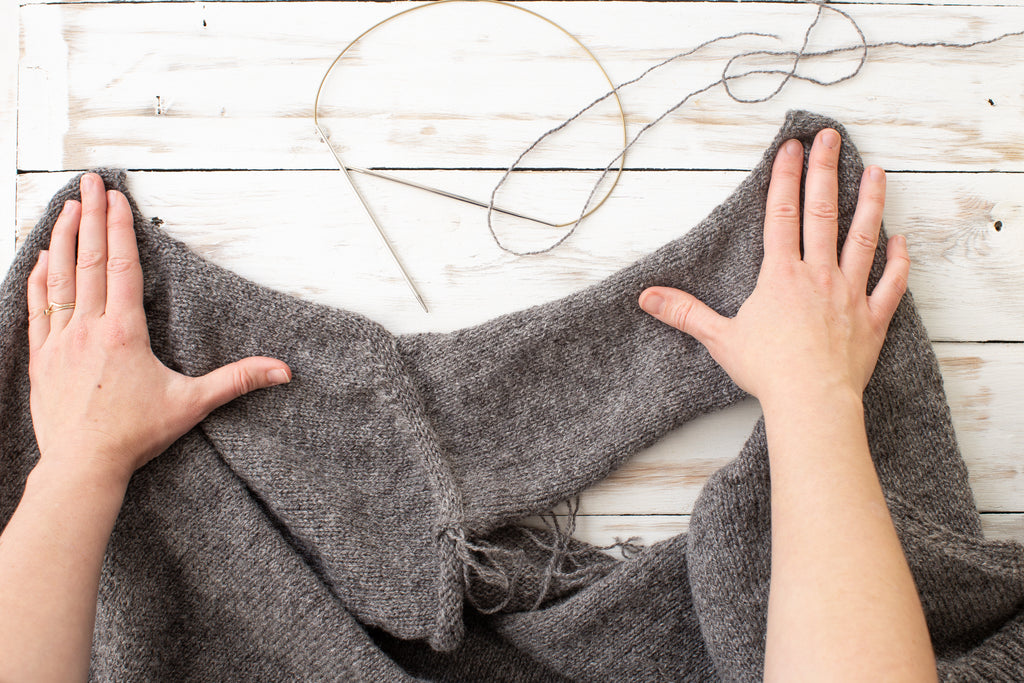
<point>54,306</point>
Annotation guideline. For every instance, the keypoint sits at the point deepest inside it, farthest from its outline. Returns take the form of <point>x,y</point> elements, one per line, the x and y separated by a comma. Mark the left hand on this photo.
<point>99,396</point>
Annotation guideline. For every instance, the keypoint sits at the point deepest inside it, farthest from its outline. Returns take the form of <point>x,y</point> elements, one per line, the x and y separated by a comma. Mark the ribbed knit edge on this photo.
<point>449,628</point>
<point>448,625</point>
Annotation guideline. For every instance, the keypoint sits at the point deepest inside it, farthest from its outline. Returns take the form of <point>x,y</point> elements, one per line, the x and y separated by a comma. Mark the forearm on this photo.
<point>51,553</point>
<point>843,604</point>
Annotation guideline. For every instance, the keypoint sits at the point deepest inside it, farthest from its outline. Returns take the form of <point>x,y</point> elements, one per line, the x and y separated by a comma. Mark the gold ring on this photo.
<point>54,306</point>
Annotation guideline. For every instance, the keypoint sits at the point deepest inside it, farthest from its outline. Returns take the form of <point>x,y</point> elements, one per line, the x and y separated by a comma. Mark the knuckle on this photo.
<point>78,334</point>
<point>822,275</point>
<point>195,406</point>
<point>784,211</point>
<point>243,382</point>
<point>56,279</point>
<point>90,258</point>
<point>899,281</point>
<point>95,212</point>
<point>821,209</point>
<point>680,313</point>
<point>862,240</point>
<point>787,172</point>
<point>826,163</point>
<point>119,265</point>
<point>117,332</point>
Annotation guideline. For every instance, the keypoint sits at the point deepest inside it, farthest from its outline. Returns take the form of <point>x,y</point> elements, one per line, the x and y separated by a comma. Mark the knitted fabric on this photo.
<point>359,523</point>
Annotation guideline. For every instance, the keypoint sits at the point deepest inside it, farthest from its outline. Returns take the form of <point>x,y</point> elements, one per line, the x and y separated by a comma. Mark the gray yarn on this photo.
<point>787,74</point>
<point>343,526</point>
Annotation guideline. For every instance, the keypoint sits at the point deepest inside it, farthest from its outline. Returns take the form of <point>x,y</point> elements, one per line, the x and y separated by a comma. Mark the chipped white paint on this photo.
<point>44,107</point>
<point>237,91</point>
<point>202,86</point>
<point>603,530</point>
<point>8,128</point>
<point>305,233</point>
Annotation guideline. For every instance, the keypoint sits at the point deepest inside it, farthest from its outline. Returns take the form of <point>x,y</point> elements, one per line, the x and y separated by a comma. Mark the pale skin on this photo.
<point>102,406</point>
<point>843,605</point>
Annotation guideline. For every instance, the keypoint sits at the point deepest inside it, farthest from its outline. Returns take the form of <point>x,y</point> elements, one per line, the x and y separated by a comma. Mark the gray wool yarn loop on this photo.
<point>343,526</point>
<point>726,80</point>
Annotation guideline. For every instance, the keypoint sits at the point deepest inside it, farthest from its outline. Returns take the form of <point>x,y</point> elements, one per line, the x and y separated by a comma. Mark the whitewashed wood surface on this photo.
<point>209,107</point>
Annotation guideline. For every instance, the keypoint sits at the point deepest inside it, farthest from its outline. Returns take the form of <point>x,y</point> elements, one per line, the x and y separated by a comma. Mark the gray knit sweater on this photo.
<point>359,523</point>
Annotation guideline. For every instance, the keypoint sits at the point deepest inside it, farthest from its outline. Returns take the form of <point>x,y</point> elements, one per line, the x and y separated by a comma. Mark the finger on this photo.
<point>60,267</point>
<point>893,283</point>
<point>684,312</point>
<point>821,200</point>
<point>227,383</point>
<point>862,240</point>
<point>124,273</point>
<point>38,323</point>
<point>782,211</point>
<point>91,268</point>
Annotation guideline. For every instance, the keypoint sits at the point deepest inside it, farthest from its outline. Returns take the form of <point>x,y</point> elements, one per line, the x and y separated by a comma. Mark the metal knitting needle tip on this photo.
<point>376,224</point>
<point>452,195</point>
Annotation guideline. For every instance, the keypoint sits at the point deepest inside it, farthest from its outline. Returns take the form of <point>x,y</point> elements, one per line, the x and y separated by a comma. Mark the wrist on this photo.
<point>802,397</point>
<point>817,422</point>
<point>86,474</point>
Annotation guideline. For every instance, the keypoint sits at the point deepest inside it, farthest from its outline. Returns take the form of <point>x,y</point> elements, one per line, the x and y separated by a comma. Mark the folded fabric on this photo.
<point>361,522</point>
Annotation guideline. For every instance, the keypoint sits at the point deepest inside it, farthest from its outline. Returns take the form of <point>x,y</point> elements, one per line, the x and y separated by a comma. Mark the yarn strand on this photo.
<point>788,74</point>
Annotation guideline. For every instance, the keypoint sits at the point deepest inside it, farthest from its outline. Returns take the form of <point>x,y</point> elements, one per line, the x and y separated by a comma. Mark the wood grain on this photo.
<point>230,85</point>
<point>994,3</point>
<point>603,530</point>
<point>290,231</point>
<point>8,129</point>
<point>305,233</point>
<point>210,104</point>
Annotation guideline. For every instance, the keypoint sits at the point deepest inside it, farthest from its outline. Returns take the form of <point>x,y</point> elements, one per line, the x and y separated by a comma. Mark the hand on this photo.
<point>99,397</point>
<point>809,324</point>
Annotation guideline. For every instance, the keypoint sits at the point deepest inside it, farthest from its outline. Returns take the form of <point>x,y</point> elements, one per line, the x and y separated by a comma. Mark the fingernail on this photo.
<point>42,256</point>
<point>794,147</point>
<point>278,376</point>
<point>653,304</point>
<point>830,138</point>
<point>877,173</point>
<point>111,197</point>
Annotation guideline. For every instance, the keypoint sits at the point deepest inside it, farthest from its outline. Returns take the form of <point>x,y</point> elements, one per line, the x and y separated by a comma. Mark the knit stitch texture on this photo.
<point>360,522</point>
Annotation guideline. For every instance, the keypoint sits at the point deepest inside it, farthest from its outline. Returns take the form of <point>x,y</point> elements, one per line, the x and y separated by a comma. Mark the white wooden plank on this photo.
<point>1003,527</point>
<point>982,385</point>
<point>305,233</point>
<point>603,530</point>
<point>302,233</point>
<point>235,83</point>
<point>8,129</point>
<point>841,3</point>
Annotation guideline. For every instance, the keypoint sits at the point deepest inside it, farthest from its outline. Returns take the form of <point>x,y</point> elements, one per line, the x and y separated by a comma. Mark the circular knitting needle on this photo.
<point>373,219</point>
<point>451,195</point>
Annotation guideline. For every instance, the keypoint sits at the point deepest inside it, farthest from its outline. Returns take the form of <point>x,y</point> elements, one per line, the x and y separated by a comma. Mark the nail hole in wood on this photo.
<point>998,226</point>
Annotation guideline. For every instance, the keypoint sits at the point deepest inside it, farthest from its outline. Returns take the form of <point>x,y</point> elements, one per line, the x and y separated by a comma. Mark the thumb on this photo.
<point>684,312</point>
<point>227,383</point>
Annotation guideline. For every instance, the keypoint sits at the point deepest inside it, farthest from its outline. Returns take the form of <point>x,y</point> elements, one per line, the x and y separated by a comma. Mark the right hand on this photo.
<point>809,324</point>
